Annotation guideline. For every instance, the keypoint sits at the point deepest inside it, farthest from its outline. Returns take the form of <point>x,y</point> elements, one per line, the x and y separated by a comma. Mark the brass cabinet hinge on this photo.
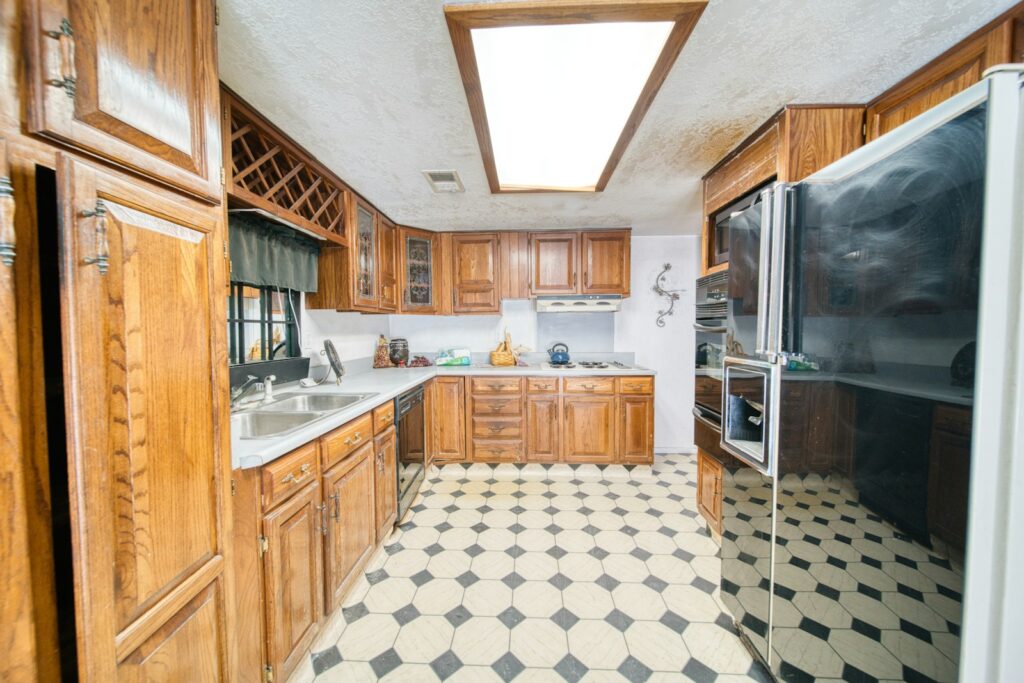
<point>234,488</point>
<point>216,15</point>
<point>223,176</point>
<point>268,674</point>
<point>264,545</point>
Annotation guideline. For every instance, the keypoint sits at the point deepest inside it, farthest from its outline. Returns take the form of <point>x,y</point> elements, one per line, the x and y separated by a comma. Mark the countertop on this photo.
<point>384,385</point>
<point>926,382</point>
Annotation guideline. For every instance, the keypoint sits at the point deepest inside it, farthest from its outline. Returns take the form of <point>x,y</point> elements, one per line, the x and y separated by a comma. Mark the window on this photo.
<point>262,324</point>
<point>555,95</point>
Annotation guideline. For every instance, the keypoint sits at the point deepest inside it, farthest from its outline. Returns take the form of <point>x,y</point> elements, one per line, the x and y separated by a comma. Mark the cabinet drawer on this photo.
<point>496,385</point>
<point>542,385</point>
<point>589,385</point>
<point>952,419</point>
<point>494,428</point>
<point>383,417</point>
<point>636,385</point>
<point>288,474</point>
<point>346,439</point>
<point>513,405</point>
<point>486,450</point>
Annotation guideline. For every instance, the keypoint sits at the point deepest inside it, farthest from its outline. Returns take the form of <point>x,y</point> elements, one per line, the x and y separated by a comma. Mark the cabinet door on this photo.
<point>605,262</point>
<point>475,273</point>
<point>351,527</point>
<point>363,238</point>
<point>543,428</point>
<point>589,432</point>
<point>134,83</point>
<point>709,490</point>
<point>953,72</point>
<point>292,576</point>
<point>143,277</point>
<point>449,419</point>
<point>387,264</point>
<point>385,481</point>
<point>553,262</point>
<point>515,265</point>
<point>17,627</point>
<point>419,272</point>
<point>636,429</point>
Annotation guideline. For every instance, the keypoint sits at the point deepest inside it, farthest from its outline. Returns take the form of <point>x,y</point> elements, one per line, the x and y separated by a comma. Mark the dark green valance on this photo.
<point>266,254</point>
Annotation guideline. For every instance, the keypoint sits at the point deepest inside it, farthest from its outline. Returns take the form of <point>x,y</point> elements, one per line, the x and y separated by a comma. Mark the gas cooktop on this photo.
<point>589,365</point>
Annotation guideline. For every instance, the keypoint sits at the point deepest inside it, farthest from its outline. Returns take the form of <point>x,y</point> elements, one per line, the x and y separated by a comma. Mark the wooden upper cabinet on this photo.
<point>363,253</point>
<point>953,72</point>
<point>132,83</point>
<point>604,260</point>
<point>554,259</point>
<point>419,271</point>
<point>475,273</point>
<point>143,277</point>
<point>293,573</point>
<point>387,264</point>
<point>514,250</point>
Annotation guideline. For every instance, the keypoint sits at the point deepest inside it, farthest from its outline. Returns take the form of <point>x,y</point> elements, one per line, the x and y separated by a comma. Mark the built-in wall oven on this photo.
<point>709,322</point>
<point>411,452</point>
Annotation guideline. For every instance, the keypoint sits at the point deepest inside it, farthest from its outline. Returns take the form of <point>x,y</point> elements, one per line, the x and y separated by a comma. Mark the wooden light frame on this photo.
<point>462,19</point>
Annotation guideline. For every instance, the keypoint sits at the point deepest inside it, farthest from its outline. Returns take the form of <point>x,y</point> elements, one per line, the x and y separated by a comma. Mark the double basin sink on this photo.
<point>289,412</point>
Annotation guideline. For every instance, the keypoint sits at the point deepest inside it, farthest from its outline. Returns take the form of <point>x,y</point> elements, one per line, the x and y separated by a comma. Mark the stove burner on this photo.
<point>593,364</point>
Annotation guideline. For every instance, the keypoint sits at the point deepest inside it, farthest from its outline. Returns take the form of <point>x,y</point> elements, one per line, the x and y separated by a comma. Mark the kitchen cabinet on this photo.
<point>494,412</point>
<point>954,71</point>
<point>387,264</point>
<point>514,253</point>
<point>475,273</point>
<point>636,428</point>
<point>605,262</point>
<point>449,417</point>
<point>554,257</point>
<point>385,481</point>
<point>292,566</point>
<point>132,83</point>
<point>949,473</point>
<point>709,490</point>
<point>363,238</point>
<point>350,521</point>
<point>708,392</point>
<point>589,432</point>
<point>420,271</point>
<point>543,420</point>
<point>147,462</point>
<point>794,143</point>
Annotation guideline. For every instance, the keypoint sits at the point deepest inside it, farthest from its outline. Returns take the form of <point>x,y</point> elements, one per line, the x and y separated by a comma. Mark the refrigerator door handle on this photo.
<point>764,272</point>
<point>776,275</point>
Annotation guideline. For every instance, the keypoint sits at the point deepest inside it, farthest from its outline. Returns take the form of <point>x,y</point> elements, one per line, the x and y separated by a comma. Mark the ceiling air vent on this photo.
<point>444,181</point>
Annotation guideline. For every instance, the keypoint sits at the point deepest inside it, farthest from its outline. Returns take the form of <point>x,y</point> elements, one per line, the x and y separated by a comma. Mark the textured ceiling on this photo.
<point>372,88</point>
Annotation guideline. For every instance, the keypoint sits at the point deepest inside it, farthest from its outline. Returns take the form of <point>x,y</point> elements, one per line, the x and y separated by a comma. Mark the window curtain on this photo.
<point>264,253</point>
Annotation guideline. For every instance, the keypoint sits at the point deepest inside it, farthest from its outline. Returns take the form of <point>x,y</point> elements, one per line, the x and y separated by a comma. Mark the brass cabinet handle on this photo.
<point>355,438</point>
<point>102,257</point>
<point>65,37</point>
<point>495,429</point>
<point>8,237</point>
<point>589,387</point>
<point>291,478</point>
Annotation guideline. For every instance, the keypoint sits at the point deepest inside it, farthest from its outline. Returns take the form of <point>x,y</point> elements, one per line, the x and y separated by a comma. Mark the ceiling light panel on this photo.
<point>557,97</point>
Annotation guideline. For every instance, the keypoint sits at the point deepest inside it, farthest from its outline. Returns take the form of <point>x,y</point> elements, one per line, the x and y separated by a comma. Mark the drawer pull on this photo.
<point>290,478</point>
<point>355,438</point>
<point>589,387</point>
<point>496,429</point>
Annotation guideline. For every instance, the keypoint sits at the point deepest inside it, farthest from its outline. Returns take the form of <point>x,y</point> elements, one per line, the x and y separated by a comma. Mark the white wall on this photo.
<point>478,332</point>
<point>669,350</point>
<point>354,334</point>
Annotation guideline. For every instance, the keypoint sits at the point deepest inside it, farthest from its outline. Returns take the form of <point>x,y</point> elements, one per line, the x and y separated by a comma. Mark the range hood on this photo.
<point>578,304</point>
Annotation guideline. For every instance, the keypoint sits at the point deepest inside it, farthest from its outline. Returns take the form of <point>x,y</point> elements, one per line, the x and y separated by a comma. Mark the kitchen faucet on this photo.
<point>268,388</point>
<point>243,390</point>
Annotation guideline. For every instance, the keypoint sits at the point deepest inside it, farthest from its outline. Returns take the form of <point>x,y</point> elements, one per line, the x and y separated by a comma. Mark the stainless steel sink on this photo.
<point>264,425</point>
<point>313,402</point>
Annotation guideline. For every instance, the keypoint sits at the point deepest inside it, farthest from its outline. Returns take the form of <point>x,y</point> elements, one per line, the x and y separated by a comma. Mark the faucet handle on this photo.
<point>270,378</point>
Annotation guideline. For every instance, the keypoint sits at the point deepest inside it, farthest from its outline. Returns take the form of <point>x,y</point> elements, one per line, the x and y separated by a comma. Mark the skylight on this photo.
<point>556,90</point>
<point>558,97</point>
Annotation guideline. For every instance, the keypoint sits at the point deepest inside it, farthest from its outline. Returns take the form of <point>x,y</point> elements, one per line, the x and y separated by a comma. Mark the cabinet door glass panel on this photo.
<point>419,270</point>
<point>367,245</point>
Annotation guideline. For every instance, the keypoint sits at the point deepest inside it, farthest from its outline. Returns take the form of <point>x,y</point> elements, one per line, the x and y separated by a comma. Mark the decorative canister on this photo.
<point>399,351</point>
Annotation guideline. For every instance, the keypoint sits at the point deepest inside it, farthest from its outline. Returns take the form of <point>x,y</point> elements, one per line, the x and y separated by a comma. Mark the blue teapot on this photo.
<point>558,354</point>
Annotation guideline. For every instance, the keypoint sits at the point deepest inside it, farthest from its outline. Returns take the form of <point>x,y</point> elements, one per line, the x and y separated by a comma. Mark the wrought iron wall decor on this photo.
<point>671,294</point>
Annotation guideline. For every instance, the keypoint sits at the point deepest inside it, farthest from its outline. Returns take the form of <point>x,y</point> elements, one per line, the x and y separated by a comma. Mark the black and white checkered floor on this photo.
<point>541,574</point>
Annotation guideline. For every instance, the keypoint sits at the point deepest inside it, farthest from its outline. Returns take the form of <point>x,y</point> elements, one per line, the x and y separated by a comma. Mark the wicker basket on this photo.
<point>501,358</point>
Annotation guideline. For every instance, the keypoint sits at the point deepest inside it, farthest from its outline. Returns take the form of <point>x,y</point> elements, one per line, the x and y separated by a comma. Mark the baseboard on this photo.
<point>685,450</point>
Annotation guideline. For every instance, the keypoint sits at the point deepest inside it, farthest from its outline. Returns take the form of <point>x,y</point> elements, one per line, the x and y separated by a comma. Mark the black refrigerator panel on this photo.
<point>883,266</point>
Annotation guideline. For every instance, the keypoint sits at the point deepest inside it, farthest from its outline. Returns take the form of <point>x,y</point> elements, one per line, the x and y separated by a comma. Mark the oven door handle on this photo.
<point>710,329</point>
<point>702,417</point>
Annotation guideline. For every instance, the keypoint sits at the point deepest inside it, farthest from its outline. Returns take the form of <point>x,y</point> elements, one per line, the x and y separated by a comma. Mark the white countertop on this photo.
<point>385,384</point>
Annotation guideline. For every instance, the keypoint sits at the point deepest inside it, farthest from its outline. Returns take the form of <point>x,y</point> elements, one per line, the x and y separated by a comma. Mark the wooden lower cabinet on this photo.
<point>636,428</point>
<point>292,571</point>
<point>543,428</point>
<point>385,477</point>
<point>949,474</point>
<point>709,489</point>
<point>589,434</point>
<point>351,528</point>
<point>449,419</point>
